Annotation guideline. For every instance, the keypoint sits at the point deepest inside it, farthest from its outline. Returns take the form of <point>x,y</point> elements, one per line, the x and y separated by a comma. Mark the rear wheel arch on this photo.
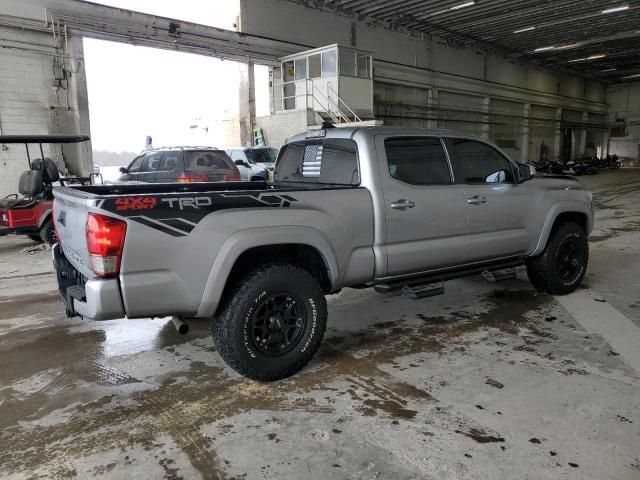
<point>303,255</point>
<point>249,249</point>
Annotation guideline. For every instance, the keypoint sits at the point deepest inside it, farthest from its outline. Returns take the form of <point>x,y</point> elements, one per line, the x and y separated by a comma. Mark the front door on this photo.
<point>425,212</point>
<point>496,205</point>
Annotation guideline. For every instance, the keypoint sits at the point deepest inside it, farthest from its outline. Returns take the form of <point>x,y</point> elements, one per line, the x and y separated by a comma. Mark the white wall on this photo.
<point>624,104</point>
<point>32,102</point>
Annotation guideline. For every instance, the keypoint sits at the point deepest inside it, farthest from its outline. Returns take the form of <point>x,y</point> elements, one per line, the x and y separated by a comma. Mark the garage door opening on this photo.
<point>173,97</point>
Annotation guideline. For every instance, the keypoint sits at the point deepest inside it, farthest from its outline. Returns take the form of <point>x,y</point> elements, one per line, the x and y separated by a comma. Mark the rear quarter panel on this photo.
<point>178,254</point>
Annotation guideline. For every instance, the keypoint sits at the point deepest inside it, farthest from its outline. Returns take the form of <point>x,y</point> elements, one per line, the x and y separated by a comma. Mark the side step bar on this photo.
<point>433,283</point>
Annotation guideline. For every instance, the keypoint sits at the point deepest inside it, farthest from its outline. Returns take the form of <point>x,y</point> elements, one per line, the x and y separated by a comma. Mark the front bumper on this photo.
<point>96,299</point>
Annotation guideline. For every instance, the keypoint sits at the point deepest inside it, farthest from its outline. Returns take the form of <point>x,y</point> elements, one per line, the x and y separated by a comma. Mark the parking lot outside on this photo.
<point>490,380</point>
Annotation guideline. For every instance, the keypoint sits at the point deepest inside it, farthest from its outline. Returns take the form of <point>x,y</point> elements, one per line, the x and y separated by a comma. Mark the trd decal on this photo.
<point>188,202</point>
<point>178,215</point>
<point>135,203</point>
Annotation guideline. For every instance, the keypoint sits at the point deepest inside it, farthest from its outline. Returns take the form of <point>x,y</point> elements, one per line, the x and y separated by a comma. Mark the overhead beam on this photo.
<point>115,24</point>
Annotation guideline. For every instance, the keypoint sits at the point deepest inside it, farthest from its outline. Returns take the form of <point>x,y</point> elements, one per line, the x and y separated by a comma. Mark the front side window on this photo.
<point>331,161</point>
<point>237,155</point>
<point>135,165</point>
<point>417,160</point>
<point>262,155</point>
<point>478,163</point>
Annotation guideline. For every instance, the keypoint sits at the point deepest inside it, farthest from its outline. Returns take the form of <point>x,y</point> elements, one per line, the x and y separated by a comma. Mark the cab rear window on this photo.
<point>207,161</point>
<point>332,161</point>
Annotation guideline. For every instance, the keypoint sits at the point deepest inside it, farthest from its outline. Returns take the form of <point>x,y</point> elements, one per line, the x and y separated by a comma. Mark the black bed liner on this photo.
<point>92,191</point>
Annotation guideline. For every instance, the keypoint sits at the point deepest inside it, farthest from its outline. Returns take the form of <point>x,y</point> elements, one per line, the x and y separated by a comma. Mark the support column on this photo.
<point>524,147</point>
<point>582,140</point>
<point>486,128</point>
<point>432,110</point>
<point>247,100</point>
<point>74,116</point>
<point>557,134</point>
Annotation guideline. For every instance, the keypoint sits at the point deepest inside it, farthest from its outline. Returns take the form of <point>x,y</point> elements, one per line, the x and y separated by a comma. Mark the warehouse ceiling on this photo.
<point>595,38</point>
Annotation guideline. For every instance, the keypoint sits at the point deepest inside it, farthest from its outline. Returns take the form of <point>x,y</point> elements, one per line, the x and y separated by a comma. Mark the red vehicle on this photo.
<point>29,212</point>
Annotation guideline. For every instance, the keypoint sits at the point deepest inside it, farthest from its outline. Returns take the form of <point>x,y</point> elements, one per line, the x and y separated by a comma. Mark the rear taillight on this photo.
<point>192,178</point>
<point>234,177</point>
<point>105,242</point>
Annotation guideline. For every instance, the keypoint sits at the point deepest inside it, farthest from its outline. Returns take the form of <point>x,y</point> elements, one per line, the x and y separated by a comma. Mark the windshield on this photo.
<point>262,155</point>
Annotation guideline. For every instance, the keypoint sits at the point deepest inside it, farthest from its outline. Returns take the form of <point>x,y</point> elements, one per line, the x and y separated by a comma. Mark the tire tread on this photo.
<point>225,325</point>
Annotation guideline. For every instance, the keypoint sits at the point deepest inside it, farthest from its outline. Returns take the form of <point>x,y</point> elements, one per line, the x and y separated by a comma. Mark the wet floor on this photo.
<point>490,380</point>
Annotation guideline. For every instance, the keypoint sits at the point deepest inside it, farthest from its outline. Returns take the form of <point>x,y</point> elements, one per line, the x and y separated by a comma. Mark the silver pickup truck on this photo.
<point>383,207</point>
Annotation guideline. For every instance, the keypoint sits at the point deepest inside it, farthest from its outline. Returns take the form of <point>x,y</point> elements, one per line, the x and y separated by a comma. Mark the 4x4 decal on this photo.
<point>178,215</point>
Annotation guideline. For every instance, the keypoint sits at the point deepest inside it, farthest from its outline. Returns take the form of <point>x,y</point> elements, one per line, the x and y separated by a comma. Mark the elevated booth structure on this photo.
<point>334,81</point>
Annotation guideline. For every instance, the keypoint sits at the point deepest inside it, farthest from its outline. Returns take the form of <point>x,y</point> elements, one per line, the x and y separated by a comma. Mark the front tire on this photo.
<point>273,324</point>
<point>47,232</point>
<point>563,263</point>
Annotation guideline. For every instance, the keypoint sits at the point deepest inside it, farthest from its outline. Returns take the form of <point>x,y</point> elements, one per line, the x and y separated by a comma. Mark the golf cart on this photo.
<point>29,212</point>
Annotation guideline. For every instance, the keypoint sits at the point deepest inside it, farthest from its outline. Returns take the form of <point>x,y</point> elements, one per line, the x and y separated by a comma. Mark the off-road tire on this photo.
<point>232,326</point>
<point>47,232</point>
<point>544,273</point>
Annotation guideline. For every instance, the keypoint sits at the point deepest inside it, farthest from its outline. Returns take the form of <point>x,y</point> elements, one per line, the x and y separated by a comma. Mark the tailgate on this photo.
<point>70,218</point>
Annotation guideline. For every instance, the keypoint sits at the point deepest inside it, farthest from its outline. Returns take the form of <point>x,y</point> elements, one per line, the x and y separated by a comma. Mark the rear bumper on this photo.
<point>96,299</point>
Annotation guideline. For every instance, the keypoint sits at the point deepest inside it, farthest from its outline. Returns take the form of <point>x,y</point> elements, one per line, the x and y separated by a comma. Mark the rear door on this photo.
<point>150,166</point>
<point>425,212</point>
<point>497,205</point>
<point>169,166</point>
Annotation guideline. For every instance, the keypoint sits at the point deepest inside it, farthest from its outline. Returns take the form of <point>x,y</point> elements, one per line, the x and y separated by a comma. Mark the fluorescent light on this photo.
<point>465,4</point>
<point>635,75</point>
<point>608,70</point>
<point>584,59</point>
<point>528,29</point>
<point>621,8</point>
<point>567,47</point>
<point>544,49</point>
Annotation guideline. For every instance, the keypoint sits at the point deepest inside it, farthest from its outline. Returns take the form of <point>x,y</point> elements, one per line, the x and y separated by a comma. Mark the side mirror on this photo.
<point>240,163</point>
<point>526,171</point>
<point>124,170</point>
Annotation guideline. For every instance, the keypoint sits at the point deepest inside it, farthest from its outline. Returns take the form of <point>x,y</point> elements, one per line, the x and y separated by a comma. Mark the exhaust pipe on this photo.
<point>181,325</point>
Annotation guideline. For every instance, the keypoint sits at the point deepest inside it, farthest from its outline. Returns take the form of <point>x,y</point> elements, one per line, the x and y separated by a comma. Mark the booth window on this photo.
<point>314,66</point>
<point>364,65</point>
<point>301,69</point>
<point>347,62</point>
<point>329,63</point>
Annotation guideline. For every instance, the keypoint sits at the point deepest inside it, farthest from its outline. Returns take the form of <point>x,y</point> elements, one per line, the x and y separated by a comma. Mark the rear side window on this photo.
<point>479,163</point>
<point>208,161</point>
<point>417,160</point>
<point>333,161</point>
<point>169,161</point>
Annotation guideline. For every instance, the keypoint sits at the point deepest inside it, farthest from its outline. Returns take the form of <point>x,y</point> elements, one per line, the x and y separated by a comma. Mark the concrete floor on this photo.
<point>487,381</point>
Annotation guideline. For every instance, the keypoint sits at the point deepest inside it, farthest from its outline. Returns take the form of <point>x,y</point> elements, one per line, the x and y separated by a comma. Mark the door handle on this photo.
<point>476,200</point>
<point>402,204</point>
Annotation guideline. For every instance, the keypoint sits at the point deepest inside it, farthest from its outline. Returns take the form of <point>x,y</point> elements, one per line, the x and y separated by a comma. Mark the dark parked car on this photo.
<point>181,164</point>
